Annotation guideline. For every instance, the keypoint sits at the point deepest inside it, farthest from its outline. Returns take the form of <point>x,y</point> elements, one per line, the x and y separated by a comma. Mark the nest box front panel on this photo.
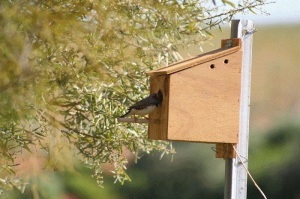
<point>203,101</point>
<point>158,126</point>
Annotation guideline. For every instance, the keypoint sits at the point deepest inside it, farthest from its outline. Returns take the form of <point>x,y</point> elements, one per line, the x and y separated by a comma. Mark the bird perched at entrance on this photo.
<point>145,106</point>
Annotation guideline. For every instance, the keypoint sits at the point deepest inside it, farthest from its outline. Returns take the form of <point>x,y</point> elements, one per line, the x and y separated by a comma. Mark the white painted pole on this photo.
<point>235,173</point>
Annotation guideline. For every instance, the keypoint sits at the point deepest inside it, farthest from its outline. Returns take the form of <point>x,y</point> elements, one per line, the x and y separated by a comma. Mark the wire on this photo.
<point>239,157</point>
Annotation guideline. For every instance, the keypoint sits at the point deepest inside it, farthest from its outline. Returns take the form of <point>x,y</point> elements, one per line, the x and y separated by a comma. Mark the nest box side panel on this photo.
<point>157,128</point>
<point>204,101</point>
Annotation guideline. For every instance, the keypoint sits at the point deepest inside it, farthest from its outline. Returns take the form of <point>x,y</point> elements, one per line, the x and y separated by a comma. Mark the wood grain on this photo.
<point>158,131</point>
<point>204,102</point>
<point>201,97</point>
<point>188,63</point>
<point>225,150</point>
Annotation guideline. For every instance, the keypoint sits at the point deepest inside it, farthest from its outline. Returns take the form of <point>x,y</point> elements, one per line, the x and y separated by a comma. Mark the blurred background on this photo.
<point>274,150</point>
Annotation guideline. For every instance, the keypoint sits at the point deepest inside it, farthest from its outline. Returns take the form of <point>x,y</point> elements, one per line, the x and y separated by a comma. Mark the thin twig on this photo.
<point>54,122</point>
<point>236,10</point>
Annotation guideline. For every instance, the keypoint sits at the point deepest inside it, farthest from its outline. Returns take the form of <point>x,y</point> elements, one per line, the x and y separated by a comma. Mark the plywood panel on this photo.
<point>229,46</point>
<point>204,101</point>
<point>225,150</point>
<point>158,130</point>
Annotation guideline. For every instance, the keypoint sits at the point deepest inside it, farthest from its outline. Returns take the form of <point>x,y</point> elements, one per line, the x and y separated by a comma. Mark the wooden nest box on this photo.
<point>201,97</point>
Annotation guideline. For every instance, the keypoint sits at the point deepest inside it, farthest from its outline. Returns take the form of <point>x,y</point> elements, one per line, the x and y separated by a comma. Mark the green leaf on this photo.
<point>209,33</point>
<point>229,3</point>
<point>251,10</point>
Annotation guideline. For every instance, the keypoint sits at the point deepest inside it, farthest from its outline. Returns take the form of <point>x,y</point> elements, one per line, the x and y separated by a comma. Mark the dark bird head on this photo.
<point>158,96</point>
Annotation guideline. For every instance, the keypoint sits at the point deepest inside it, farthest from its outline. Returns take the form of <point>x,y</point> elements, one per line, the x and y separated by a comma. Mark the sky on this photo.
<point>281,12</point>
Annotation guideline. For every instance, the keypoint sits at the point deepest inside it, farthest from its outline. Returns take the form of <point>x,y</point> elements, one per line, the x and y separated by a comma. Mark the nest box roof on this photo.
<point>194,61</point>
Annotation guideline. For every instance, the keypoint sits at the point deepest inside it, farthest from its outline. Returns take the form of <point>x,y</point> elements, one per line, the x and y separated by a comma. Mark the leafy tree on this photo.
<point>69,68</point>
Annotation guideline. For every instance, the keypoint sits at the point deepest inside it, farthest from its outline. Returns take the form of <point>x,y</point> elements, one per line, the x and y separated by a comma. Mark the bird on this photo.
<point>145,106</point>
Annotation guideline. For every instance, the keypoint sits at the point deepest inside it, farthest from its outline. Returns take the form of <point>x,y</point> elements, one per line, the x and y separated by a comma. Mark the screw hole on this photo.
<point>212,66</point>
<point>226,61</point>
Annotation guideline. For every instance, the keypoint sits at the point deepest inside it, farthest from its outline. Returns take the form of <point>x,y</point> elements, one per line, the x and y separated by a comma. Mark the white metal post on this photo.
<point>235,173</point>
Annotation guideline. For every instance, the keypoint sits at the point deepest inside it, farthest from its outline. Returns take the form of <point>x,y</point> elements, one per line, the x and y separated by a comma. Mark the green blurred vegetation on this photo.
<point>194,173</point>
